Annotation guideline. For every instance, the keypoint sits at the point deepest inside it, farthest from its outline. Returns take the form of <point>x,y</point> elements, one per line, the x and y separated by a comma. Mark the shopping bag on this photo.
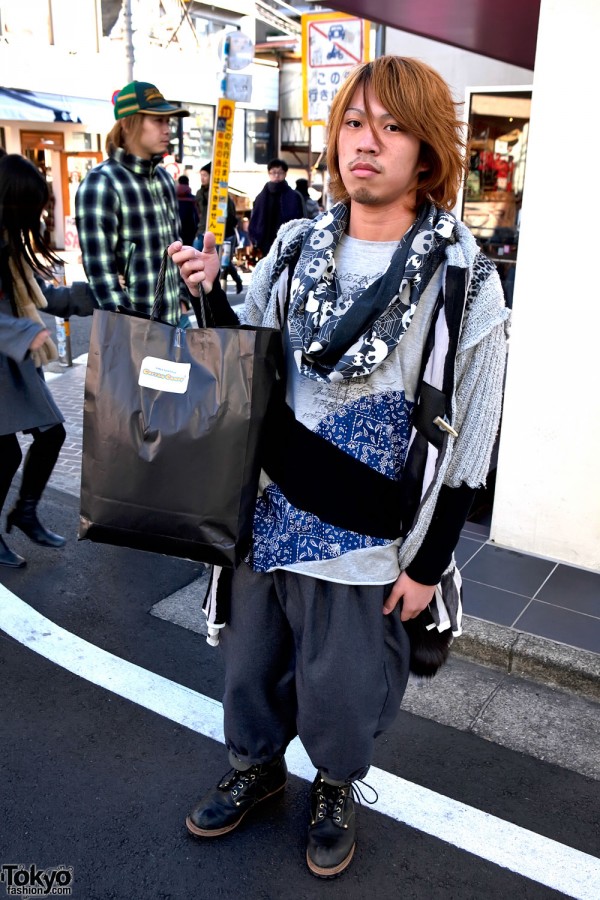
<point>171,434</point>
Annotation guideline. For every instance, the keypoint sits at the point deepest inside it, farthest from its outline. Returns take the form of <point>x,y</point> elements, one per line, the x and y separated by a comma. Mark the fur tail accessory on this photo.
<point>432,631</point>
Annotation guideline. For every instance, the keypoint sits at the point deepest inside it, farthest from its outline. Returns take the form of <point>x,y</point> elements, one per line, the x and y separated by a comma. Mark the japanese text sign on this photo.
<point>217,207</point>
<point>332,44</point>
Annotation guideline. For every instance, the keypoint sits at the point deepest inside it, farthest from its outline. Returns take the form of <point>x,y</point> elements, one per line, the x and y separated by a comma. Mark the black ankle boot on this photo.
<point>332,830</point>
<point>223,808</point>
<point>8,558</point>
<point>24,516</point>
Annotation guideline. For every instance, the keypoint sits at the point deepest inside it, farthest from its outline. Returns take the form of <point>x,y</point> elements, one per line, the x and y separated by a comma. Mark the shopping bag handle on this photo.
<point>198,303</point>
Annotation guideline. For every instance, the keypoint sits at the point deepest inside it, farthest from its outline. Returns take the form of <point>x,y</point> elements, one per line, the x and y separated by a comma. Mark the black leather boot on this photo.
<point>332,830</point>
<point>8,558</point>
<point>24,516</point>
<point>223,808</point>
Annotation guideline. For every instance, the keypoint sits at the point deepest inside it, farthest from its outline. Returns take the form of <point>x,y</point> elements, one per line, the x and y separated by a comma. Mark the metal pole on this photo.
<point>128,29</point>
<point>63,328</point>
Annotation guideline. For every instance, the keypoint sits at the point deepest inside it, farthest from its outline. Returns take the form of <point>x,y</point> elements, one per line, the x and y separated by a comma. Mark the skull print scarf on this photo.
<point>335,337</point>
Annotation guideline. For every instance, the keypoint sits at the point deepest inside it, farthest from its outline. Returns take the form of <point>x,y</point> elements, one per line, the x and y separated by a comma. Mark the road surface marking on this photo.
<point>531,855</point>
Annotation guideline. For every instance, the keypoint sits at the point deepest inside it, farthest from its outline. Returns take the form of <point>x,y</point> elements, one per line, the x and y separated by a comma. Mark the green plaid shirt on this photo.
<point>127,215</point>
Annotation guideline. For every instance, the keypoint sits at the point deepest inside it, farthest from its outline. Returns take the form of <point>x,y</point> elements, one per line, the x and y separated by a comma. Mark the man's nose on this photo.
<point>367,142</point>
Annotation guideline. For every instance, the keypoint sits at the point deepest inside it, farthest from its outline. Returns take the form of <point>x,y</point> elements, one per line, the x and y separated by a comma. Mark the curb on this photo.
<point>522,654</point>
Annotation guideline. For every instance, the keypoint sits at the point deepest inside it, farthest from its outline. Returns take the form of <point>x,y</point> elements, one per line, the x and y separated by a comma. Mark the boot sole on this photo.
<point>333,872</point>
<point>217,832</point>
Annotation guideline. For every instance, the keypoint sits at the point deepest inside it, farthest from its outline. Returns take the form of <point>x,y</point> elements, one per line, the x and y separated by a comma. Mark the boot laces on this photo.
<point>236,780</point>
<point>332,797</point>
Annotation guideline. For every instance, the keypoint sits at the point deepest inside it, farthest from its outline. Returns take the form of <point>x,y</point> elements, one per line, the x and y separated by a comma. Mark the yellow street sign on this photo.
<point>219,182</point>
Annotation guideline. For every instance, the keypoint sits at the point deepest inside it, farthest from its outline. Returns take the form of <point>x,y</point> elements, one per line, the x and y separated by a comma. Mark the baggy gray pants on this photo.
<point>313,658</point>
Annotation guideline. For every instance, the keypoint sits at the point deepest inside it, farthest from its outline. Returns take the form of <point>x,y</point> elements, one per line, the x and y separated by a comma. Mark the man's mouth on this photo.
<point>361,166</point>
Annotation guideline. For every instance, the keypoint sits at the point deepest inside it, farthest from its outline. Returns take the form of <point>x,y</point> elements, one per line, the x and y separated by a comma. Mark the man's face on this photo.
<point>276,174</point>
<point>153,138</point>
<point>204,178</point>
<point>379,165</point>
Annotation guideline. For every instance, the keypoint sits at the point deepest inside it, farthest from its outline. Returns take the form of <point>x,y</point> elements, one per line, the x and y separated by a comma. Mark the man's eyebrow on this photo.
<point>363,112</point>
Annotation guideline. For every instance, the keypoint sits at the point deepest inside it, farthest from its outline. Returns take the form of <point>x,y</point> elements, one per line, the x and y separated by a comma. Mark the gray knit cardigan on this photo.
<point>479,365</point>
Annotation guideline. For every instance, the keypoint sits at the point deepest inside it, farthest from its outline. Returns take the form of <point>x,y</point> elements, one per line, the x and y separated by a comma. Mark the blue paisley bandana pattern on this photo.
<point>373,429</point>
<point>317,306</point>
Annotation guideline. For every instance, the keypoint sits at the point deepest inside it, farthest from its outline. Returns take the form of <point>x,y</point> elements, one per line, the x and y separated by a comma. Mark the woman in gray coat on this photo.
<point>25,346</point>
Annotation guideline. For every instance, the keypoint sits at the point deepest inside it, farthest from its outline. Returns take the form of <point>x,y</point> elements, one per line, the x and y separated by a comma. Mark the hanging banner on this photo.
<point>332,44</point>
<point>219,181</point>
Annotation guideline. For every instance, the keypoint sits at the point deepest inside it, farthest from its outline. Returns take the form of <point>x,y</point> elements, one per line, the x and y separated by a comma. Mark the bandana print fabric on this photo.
<point>317,306</point>
<point>374,430</point>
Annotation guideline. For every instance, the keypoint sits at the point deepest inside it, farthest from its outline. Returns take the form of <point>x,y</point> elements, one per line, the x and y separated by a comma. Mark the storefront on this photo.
<point>192,139</point>
<point>499,129</point>
<point>62,135</point>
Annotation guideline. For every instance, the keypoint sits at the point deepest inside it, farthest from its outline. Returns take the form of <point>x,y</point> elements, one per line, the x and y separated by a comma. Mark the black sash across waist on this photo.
<point>318,477</point>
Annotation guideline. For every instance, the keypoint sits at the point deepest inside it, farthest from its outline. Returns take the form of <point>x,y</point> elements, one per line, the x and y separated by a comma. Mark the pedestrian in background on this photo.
<point>126,207</point>
<point>310,207</point>
<point>25,346</point>
<point>202,200</point>
<point>276,204</point>
<point>188,213</point>
<point>395,346</point>
<point>231,236</point>
<point>245,245</point>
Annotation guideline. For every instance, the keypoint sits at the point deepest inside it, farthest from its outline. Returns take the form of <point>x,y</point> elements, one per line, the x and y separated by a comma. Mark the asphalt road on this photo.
<point>100,783</point>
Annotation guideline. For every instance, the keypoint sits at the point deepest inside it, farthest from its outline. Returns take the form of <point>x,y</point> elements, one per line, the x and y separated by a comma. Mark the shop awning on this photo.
<point>505,31</point>
<point>34,106</point>
<point>13,107</point>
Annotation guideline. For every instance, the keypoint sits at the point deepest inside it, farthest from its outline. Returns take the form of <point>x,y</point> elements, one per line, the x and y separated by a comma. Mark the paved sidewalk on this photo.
<point>510,598</point>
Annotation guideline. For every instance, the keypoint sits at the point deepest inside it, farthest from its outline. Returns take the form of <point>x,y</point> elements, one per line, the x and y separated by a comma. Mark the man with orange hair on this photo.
<point>126,207</point>
<point>393,329</point>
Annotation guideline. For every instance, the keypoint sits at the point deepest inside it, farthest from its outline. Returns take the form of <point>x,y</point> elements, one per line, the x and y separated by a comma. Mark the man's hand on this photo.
<point>415,597</point>
<point>197,266</point>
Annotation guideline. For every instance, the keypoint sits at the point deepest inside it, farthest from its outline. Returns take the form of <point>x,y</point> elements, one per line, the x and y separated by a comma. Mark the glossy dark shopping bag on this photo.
<point>171,431</point>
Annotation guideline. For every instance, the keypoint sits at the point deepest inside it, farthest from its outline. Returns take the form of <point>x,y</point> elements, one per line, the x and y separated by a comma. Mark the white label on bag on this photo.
<point>163,375</point>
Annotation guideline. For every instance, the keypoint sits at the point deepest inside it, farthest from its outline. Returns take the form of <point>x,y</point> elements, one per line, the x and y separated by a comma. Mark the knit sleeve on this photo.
<point>480,367</point>
<point>257,295</point>
<point>477,403</point>
<point>261,303</point>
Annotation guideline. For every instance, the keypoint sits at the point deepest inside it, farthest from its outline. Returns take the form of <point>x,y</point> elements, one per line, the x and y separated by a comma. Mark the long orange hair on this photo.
<point>123,132</point>
<point>421,102</point>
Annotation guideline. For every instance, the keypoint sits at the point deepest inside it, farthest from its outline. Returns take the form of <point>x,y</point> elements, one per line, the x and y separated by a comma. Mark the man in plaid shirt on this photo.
<point>126,207</point>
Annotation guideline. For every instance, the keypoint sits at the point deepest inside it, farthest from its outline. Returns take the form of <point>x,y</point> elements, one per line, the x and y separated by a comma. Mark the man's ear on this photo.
<point>423,167</point>
<point>423,164</point>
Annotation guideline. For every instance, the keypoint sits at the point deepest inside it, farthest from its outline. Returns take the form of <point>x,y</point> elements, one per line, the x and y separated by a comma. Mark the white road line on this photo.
<point>548,862</point>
